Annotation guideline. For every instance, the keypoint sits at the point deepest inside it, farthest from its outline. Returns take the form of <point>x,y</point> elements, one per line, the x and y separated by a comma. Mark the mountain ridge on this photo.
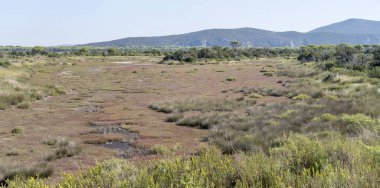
<point>351,31</point>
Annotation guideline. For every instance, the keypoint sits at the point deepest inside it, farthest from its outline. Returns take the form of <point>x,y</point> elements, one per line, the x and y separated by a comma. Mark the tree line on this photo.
<point>14,52</point>
<point>360,57</point>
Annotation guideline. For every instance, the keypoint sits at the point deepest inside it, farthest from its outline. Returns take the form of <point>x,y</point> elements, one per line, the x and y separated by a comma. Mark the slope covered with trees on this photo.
<point>353,31</point>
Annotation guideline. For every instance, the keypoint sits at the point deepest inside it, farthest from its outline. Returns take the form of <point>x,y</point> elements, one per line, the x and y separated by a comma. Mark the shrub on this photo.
<point>159,150</point>
<point>65,149</point>
<point>204,121</point>
<point>50,141</point>
<point>301,154</point>
<point>301,97</point>
<point>17,130</point>
<point>328,117</point>
<point>356,124</point>
<point>4,63</point>
<point>374,72</point>
<point>54,90</point>
<point>269,74</point>
<point>23,105</point>
<point>231,79</point>
<point>255,95</point>
<point>298,162</point>
<point>2,106</point>
<point>13,98</point>
<point>201,105</point>
<point>266,91</point>
<point>41,170</point>
<point>174,117</point>
<point>12,153</point>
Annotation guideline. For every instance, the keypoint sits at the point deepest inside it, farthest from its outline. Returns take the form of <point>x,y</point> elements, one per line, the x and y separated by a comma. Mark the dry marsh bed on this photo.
<point>76,92</point>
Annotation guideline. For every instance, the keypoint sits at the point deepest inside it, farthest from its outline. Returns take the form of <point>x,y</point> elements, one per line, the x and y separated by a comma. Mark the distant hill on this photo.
<point>352,31</point>
<point>351,26</point>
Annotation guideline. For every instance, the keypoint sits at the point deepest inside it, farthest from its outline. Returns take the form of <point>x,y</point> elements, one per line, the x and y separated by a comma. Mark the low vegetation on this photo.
<point>202,105</point>
<point>324,133</point>
<point>298,162</point>
<point>16,91</point>
<point>64,149</point>
<point>17,131</point>
<point>40,170</point>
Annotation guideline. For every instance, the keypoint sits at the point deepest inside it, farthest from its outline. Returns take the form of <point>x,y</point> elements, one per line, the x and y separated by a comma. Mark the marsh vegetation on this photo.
<point>307,117</point>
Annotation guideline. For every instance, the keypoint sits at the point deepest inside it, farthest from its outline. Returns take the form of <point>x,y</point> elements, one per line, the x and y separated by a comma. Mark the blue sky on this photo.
<point>54,22</point>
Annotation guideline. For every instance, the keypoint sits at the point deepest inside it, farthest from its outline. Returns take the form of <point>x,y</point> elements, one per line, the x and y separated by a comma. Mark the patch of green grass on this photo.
<point>231,79</point>
<point>255,95</point>
<point>159,150</point>
<point>301,97</point>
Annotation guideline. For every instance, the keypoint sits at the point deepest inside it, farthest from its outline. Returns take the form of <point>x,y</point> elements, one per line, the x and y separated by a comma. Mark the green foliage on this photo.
<point>376,57</point>
<point>23,105</point>
<point>159,150</point>
<point>230,79</point>
<point>357,124</point>
<point>319,105</point>
<point>202,105</point>
<point>65,149</point>
<point>4,63</point>
<point>41,170</point>
<point>301,97</point>
<point>84,51</point>
<point>17,131</point>
<point>39,50</point>
<point>299,161</point>
<point>344,54</point>
<point>174,117</point>
<point>255,95</point>
<point>374,72</point>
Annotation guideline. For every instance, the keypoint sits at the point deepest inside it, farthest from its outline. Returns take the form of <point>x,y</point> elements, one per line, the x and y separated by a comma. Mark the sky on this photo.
<point>62,22</point>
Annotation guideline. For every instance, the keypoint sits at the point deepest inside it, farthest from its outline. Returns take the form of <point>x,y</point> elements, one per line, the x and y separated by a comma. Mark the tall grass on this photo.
<point>299,161</point>
<point>16,91</point>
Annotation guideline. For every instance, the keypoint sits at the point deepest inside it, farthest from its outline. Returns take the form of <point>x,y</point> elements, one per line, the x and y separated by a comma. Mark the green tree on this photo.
<point>113,52</point>
<point>84,51</point>
<point>376,57</point>
<point>235,45</point>
<point>344,54</point>
<point>39,50</point>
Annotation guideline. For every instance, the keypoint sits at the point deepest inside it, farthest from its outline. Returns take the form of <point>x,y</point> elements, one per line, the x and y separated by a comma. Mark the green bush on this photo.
<point>374,72</point>
<point>357,124</point>
<point>41,170</point>
<point>23,105</point>
<point>65,149</point>
<point>4,63</point>
<point>201,105</point>
<point>174,117</point>
<point>17,130</point>
<point>231,79</point>
<point>298,162</point>
<point>159,150</point>
<point>301,97</point>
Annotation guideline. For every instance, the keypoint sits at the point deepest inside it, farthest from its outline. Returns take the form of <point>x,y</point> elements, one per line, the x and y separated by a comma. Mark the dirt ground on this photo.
<point>112,93</point>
